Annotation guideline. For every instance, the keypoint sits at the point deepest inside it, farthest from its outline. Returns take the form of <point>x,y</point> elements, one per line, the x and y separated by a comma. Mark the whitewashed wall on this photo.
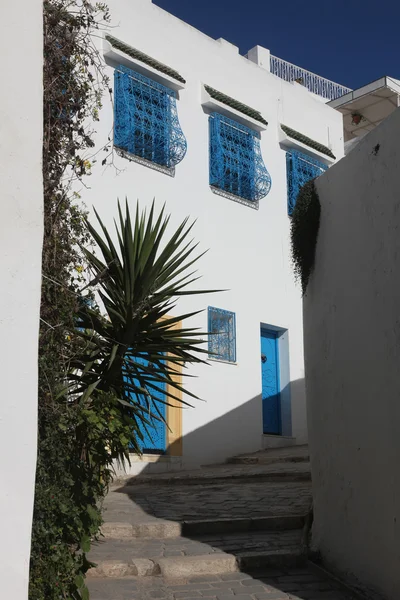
<point>352,350</point>
<point>20,264</point>
<point>249,249</point>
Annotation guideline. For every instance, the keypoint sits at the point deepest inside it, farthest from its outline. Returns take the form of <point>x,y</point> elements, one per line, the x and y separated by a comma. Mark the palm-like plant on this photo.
<point>123,351</point>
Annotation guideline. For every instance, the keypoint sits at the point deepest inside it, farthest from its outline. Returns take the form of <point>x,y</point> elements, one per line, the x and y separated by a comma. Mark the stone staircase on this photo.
<point>215,520</point>
<point>206,533</point>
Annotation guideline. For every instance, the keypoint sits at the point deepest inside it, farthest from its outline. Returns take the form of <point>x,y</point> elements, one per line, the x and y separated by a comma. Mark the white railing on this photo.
<point>314,83</point>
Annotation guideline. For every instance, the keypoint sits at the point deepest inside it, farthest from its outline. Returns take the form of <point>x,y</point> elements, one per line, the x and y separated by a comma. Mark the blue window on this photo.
<point>236,164</point>
<point>300,168</point>
<point>221,334</point>
<point>146,122</point>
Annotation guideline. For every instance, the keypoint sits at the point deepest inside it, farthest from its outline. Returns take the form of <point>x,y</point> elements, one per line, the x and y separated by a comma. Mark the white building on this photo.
<point>217,136</point>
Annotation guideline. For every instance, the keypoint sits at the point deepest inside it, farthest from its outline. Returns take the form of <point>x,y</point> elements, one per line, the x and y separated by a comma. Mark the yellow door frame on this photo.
<point>174,412</point>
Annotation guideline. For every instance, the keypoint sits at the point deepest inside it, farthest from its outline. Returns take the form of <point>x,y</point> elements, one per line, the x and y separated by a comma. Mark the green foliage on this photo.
<point>138,283</point>
<point>67,515</point>
<point>304,232</point>
<point>67,483</point>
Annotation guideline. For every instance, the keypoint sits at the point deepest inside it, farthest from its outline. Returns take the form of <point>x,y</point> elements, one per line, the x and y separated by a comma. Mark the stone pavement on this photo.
<point>290,584</point>
<point>229,499</point>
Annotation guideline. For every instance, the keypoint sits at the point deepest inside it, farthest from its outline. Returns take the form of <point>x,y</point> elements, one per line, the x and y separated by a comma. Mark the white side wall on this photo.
<point>249,250</point>
<point>20,264</point>
<point>352,350</point>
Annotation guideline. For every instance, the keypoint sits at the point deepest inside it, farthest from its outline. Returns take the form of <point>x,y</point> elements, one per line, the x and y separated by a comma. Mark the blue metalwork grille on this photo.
<point>236,164</point>
<point>221,334</point>
<point>300,168</point>
<point>146,121</point>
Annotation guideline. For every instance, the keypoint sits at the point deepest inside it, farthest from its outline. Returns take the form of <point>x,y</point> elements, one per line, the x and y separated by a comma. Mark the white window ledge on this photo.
<point>289,143</point>
<point>115,57</point>
<point>210,105</point>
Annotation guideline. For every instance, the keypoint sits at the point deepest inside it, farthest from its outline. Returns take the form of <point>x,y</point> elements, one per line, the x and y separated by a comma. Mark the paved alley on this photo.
<point>223,532</point>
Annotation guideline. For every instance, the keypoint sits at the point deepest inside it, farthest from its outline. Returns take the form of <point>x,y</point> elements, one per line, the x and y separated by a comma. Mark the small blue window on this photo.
<point>221,334</point>
<point>146,122</point>
<point>236,164</point>
<point>300,168</point>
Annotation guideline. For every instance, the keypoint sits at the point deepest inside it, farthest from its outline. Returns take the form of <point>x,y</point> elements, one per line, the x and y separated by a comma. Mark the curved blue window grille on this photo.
<point>146,121</point>
<point>236,164</point>
<point>221,334</point>
<point>300,168</point>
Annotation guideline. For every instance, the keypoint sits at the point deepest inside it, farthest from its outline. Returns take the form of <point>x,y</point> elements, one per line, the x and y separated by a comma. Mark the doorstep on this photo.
<point>148,464</point>
<point>277,441</point>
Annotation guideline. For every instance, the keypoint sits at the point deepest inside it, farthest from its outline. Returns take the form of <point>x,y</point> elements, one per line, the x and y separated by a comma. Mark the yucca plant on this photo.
<point>130,346</point>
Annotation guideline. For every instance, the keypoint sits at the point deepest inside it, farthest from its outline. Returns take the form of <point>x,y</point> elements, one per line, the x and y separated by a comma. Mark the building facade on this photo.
<point>219,138</point>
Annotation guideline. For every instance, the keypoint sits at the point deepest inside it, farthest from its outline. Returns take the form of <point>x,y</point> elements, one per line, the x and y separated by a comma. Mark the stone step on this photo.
<point>158,529</point>
<point>205,555</point>
<point>219,564</point>
<point>275,472</point>
<point>272,456</point>
<point>204,564</point>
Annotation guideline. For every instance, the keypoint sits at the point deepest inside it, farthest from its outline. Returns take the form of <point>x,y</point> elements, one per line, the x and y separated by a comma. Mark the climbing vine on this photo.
<point>304,232</point>
<point>67,485</point>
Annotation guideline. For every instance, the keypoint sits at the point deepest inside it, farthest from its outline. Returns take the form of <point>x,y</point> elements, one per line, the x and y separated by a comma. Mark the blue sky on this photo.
<point>350,42</point>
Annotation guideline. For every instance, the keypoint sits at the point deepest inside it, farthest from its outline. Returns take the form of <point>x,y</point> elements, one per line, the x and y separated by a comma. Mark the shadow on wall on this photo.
<point>238,431</point>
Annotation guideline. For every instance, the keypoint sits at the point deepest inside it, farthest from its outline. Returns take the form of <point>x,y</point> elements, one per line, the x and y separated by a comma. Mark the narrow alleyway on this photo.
<point>221,532</point>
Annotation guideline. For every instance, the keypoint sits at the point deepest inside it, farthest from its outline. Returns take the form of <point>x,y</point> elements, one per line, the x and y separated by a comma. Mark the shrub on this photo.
<point>304,232</point>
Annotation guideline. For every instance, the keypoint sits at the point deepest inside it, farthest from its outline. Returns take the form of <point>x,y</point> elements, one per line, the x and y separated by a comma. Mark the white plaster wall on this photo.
<point>249,250</point>
<point>20,265</point>
<point>352,350</point>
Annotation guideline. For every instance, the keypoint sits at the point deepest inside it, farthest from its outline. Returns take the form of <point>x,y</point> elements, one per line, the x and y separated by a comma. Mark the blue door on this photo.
<point>155,438</point>
<point>270,383</point>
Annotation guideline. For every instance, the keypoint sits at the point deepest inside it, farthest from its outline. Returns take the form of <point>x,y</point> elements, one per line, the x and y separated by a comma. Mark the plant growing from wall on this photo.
<point>87,418</point>
<point>305,221</point>
<point>67,487</point>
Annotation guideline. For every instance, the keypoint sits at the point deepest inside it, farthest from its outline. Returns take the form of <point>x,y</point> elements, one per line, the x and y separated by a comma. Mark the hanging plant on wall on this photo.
<point>304,232</point>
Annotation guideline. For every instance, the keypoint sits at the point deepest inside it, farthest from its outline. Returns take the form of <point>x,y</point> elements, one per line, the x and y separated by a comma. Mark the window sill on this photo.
<point>224,362</point>
<point>170,171</point>
<point>250,203</point>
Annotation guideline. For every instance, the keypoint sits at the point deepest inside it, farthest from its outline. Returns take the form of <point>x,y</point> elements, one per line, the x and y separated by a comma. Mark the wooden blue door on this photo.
<point>270,383</point>
<point>155,438</point>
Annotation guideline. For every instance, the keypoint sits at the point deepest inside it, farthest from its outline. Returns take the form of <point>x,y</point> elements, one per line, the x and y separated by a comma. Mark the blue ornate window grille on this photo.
<point>146,121</point>
<point>300,168</point>
<point>236,164</point>
<point>221,334</point>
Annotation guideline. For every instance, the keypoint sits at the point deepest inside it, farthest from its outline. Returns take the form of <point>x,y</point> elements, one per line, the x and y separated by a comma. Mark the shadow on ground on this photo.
<point>242,511</point>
